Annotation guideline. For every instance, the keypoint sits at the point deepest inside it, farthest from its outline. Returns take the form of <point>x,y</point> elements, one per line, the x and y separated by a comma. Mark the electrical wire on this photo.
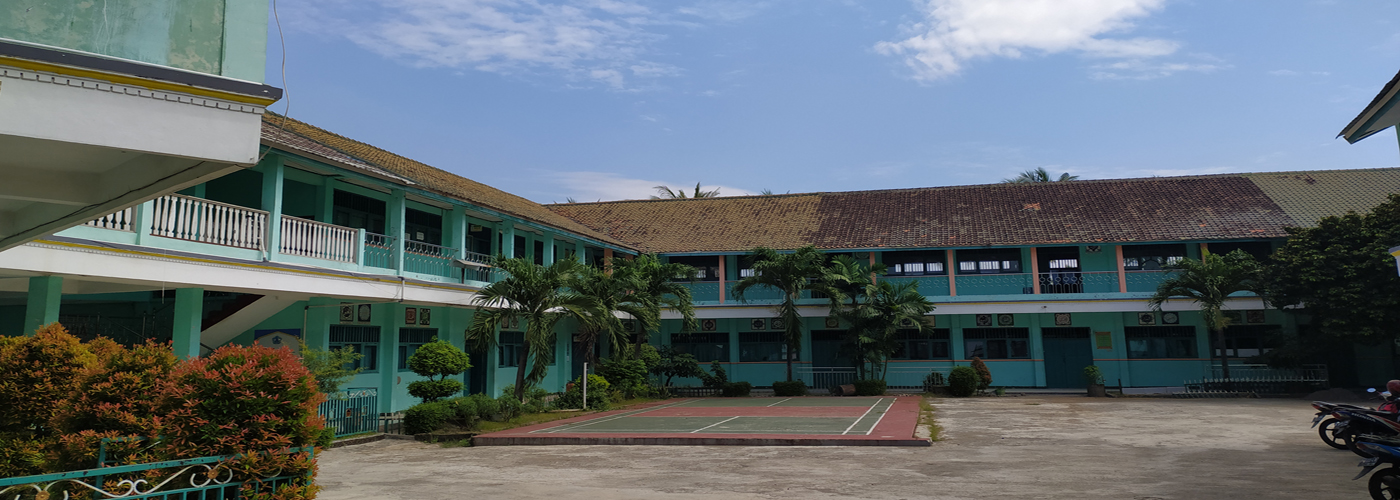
<point>286,91</point>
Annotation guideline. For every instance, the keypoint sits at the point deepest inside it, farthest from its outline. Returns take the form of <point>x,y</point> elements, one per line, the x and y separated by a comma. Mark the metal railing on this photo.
<point>427,258</point>
<point>759,293</point>
<point>902,377</point>
<point>825,377</point>
<point>119,221</point>
<point>1144,281</point>
<point>1079,282</point>
<point>379,250</point>
<point>704,291</point>
<point>929,286</point>
<point>204,477</point>
<point>993,284</point>
<point>352,411</point>
<point>318,240</point>
<point>1304,372</point>
<point>195,219</point>
<point>1261,379</point>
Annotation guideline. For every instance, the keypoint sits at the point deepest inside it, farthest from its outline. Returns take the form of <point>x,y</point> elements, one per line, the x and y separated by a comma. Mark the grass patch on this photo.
<point>926,419</point>
<point>540,418</point>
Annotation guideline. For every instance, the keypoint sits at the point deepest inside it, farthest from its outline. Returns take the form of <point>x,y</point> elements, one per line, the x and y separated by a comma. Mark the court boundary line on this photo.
<point>585,423</point>
<point>780,402</point>
<point>882,417</point>
<point>862,416</point>
<point>712,425</point>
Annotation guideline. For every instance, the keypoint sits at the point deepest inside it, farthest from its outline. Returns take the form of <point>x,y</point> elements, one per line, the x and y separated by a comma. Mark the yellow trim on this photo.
<point>1396,253</point>
<point>134,80</point>
<point>249,266</point>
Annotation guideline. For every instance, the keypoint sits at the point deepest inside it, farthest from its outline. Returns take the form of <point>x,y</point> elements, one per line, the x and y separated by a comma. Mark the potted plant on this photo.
<point>1094,376</point>
<point>936,383</point>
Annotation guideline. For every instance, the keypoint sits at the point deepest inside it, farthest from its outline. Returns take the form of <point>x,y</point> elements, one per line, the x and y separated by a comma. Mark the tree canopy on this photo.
<point>665,193</point>
<point>1038,175</point>
<point>1209,282</point>
<point>791,274</point>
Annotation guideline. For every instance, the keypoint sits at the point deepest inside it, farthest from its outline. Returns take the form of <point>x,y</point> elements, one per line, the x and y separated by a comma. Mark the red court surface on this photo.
<point>803,421</point>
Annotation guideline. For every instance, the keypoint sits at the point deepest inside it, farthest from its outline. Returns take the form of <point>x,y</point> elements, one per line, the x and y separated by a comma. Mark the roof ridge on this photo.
<point>678,200</point>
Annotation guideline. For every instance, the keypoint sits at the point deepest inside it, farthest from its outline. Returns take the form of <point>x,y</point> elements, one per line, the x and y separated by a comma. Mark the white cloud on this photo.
<point>955,32</point>
<point>606,186</point>
<point>1137,69</point>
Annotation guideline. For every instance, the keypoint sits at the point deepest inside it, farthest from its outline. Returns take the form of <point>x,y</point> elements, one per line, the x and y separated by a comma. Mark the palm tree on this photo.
<point>1038,175</point>
<point>874,322</point>
<point>853,279</point>
<point>615,293</point>
<point>538,296</point>
<point>1209,282</point>
<point>791,274</point>
<point>667,194</point>
<point>656,288</point>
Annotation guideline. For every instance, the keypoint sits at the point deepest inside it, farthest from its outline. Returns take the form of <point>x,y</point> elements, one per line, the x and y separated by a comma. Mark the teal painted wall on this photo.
<point>242,188</point>
<point>300,199</point>
<point>220,37</point>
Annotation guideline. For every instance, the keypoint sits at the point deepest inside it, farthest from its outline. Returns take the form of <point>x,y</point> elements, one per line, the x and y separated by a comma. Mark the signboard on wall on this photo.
<point>1103,340</point>
<point>284,338</point>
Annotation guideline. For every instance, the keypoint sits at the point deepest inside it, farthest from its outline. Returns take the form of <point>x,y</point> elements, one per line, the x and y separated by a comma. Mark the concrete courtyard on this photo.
<point>1009,447</point>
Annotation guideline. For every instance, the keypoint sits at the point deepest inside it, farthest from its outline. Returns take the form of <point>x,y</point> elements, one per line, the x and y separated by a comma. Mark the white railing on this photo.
<point>318,240</point>
<point>196,219</point>
<point>120,221</point>
<point>825,377</point>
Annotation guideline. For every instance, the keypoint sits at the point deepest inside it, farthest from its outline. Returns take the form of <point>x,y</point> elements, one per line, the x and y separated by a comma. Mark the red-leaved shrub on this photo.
<point>36,372</point>
<point>115,397</point>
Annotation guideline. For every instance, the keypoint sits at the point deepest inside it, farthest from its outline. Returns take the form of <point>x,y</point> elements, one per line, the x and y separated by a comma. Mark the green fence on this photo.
<point>352,412</point>
<point>204,478</point>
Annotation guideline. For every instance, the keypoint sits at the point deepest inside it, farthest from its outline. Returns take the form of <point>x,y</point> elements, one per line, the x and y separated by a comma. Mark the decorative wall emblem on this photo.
<point>1254,316</point>
<point>833,322</point>
<point>347,314</point>
<point>1093,249</point>
<point>1063,319</point>
<point>1170,318</point>
<point>758,324</point>
<point>363,313</point>
<point>708,325</point>
<point>410,316</point>
<point>1103,340</point>
<point>424,316</point>
<point>984,320</point>
<point>1005,320</point>
<point>906,323</point>
<point>1234,316</point>
<point>777,324</point>
<point>290,339</point>
<point>1147,319</point>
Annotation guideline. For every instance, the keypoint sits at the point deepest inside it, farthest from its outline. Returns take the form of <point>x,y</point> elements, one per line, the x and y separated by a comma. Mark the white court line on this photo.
<point>862,416</point>
<point>586,423</point>
<point>780,402</point>
<point>882,417</point>
<point>712,425</point>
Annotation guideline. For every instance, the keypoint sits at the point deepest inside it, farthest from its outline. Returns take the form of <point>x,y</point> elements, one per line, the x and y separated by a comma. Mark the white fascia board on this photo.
<point>1025,307</point>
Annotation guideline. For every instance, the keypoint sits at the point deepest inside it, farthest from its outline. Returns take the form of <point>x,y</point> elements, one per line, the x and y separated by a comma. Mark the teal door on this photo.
<point>1067,352</point>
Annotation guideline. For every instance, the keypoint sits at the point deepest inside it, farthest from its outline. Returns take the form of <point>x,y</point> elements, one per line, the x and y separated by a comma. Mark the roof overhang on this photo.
<point>1381,114</point>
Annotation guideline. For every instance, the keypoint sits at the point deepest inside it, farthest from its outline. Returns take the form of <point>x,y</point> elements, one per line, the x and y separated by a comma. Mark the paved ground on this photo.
<point>1011,447</point>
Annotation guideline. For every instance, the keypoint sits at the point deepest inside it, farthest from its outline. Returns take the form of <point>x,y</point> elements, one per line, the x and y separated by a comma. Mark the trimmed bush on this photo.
<point>963,381</point>
<point>598,397</point>
<point>736,389</point>
<point>427,417</point>
<point>626,375</point>
<point>789,389</point>
<point>437,360</point>
<point>1093,375</point>
<point>870,387</point>
<point>984,374</point>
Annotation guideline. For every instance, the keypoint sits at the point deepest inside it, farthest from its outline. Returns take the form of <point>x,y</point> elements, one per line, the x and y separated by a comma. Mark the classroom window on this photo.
<point>929,343</point>
<point>1155,342</point>
<point>509,348</point>
<point>409,341</point>
<point>365,342</point>
<point>915,263</point>
<point>422,227</point>
<point>992,261</point>
<point>762,346</point>
<point>1152,257</point>
<point>357,211</point>
<point>997,343</point>
<point>1247,341</point>
<point>705,346</point>
<point>706,267</point>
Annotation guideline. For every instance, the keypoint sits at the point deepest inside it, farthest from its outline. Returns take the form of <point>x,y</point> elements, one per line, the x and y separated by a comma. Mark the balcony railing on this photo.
<point>929,286</point>
<point>704,291</point>
<point>1079,282</point>
<point>318,240</point>
<point>120,221</point>
<point>379,250</point>
<point>427,258</point>
<point>756,294</point>
<point>994,284</point>
<point>195,219</point>
<point>1145,281</point>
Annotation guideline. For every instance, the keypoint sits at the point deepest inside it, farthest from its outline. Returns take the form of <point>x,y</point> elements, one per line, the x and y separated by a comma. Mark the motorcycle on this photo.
<point>1385,483</point>
<point>1331,426</point>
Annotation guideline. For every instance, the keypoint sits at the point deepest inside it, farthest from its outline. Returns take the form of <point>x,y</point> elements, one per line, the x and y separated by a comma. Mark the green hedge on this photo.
<point>736,389</point>
<point>870,387</point>
<point>789,389</point>
<point>963,381</point>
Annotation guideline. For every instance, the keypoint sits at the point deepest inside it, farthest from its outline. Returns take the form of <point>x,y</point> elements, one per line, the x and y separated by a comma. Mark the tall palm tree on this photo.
<point>615,293</point>
<point>656,288</point>
<point>538,296</point>
<point>1038,175</point>
<point>1209,282</point>
<point>854,279</point>
<point>875,321</point>
<point>791,274</point>
<point>665,193</point>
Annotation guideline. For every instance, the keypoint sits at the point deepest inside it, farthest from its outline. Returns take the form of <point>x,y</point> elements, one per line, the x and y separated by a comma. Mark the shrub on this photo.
<point>22,455</point>
<point>963,381</point>
<point>789,389</point>
<point>507,407</point>
<point>328,366</point>
<point>672,363</point>
<point>598,397</point>
<point>489,408</point>
<point>934,379</point>
<point>36,372</point>
<point>984,374</point>
<point>1093,375</point>
<point>736,389</point>
<point>717,379</point>
<point>626,375</point>
<point>427,417</point>
<point>437,360</point>
<point>115,397</point>
<point>870,387</point>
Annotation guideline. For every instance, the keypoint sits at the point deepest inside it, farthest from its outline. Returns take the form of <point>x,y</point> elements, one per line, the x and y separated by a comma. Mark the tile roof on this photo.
<point>293,135</point>
<point>1211,207</point>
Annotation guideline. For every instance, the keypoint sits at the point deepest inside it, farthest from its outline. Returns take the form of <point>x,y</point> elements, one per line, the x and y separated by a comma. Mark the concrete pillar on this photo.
<point>952,267</point>
<point>1122,271</point>
<point>507,243</point>
<point>45,297</point>
<point>1035,271</point>
<point>326,198</point>
<point>455,234</point>
<point>273,169</point>
<point>580,252</point>
<point>548,257</point>
<point>144,214</point>
<point>321,313</point>
<point>189,312</point>
<point>397,207</point>
<point>388,316</point>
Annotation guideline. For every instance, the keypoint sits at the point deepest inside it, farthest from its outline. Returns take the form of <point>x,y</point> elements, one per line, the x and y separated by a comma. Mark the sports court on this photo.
<point>798,421</point>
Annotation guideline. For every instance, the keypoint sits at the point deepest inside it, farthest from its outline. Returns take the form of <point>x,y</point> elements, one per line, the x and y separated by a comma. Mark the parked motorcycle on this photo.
<point>1385,483</point>
<point>1331,426</point>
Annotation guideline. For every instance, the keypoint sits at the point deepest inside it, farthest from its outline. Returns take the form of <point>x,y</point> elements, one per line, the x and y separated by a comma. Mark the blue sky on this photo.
<point>602,99</point>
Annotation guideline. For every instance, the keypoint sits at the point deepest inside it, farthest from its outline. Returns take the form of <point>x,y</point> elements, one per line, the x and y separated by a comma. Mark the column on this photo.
<point>273,170</point>
<point>189,313</point>
<point>45,297</point>
<point>507,240</point>
<point>607,259</point>
<point>952,275</point>
<point>455,236</point>
<point>1035,271</point>
<point>396,229</point>
<point>326,197</point>
<point>321,313</point>
<point>1122,272</point>
<point>1037,347</point>
<point>580,252</point>
<point>144,214</point>
<point>548,257</point>
<point>722,277</point>
<point>388,316</point>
